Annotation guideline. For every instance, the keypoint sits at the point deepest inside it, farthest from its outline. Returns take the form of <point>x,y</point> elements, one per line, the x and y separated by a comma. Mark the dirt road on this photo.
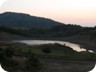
<point>53,65</point>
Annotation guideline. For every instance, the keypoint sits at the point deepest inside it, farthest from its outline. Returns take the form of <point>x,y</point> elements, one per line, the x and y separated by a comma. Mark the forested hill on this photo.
<point>11,19</point>
<point>40,27</point>
<point>16,26</point>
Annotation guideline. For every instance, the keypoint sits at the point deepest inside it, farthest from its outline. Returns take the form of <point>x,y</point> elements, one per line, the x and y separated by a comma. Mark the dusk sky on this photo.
<point>82,12</point>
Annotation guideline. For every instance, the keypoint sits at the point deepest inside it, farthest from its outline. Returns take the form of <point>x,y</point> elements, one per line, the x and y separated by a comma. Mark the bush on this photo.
<point>46,50</point>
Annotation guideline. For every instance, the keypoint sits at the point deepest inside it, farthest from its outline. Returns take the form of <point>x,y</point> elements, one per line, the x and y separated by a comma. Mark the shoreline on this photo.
<point>83,44</point>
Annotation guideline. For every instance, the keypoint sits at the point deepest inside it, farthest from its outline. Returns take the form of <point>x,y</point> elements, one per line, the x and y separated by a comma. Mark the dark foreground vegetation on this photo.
<point>16,57</point>
<point>16,61</point>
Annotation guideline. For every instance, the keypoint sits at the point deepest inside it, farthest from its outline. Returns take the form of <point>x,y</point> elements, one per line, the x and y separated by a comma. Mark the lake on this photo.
<point>75,47</point>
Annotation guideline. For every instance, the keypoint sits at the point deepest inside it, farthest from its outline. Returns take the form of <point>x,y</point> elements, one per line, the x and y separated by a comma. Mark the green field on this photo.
<point>39,58</point>
<point>52,51</point>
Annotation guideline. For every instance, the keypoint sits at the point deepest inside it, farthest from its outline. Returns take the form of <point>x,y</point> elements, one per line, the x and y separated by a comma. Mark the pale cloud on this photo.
<point>2,1</point>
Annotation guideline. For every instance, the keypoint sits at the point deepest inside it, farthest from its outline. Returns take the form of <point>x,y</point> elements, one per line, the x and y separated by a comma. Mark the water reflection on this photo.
<point>75,47</point>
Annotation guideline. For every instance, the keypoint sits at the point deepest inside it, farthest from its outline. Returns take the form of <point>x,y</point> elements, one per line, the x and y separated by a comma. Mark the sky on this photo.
<point>81,12</point>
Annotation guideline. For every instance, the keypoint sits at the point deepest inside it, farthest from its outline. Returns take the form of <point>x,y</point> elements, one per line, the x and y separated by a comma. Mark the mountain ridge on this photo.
<point>12,19</point>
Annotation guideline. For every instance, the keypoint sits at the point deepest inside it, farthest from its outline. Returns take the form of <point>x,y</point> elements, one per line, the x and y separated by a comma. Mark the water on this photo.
<point>75,47</point>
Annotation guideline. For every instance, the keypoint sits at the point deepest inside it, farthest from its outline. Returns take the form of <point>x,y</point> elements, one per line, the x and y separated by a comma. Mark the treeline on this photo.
<point>52,32</point>
<point>89,31</point>
<point>38,27</point>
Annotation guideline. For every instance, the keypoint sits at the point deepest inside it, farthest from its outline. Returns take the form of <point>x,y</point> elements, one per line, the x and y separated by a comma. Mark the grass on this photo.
<point>57,51</point>
<point>58,54</point>
<point>58,59</point>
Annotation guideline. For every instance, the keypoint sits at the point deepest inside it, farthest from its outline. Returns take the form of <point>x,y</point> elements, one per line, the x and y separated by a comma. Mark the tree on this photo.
<point>46,50</point>
<point>10,65</point>
<point>9,52</point>
<point>1,54</point>
<point>33,64</point>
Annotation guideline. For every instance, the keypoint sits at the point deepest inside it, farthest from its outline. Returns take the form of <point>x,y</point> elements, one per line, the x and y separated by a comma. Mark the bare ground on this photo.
<point>53,65</point>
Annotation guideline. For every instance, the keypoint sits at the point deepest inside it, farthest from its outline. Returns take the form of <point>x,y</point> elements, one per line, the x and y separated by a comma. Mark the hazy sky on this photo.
<point>82,12</point>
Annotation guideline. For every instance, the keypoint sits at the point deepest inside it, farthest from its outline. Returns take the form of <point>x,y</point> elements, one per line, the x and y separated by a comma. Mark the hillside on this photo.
<point>5,36</point>
<point>14,26</point>
<point>10,19</point>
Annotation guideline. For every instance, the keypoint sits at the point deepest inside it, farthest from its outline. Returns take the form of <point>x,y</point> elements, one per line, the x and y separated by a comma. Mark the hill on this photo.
<point>10,19</point>
<point>22,26</point>
<point>5,36</point>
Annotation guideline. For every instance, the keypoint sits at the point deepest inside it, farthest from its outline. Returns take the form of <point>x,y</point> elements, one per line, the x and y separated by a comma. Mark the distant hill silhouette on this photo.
<point>16,26</point>
<point>11,19</point>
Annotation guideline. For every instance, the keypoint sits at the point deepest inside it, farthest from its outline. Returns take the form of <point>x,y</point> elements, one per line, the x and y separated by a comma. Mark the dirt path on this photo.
<point>53,65</point>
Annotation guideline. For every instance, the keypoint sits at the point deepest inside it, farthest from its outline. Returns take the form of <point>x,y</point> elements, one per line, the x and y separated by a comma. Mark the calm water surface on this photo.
<point>75,47</point>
